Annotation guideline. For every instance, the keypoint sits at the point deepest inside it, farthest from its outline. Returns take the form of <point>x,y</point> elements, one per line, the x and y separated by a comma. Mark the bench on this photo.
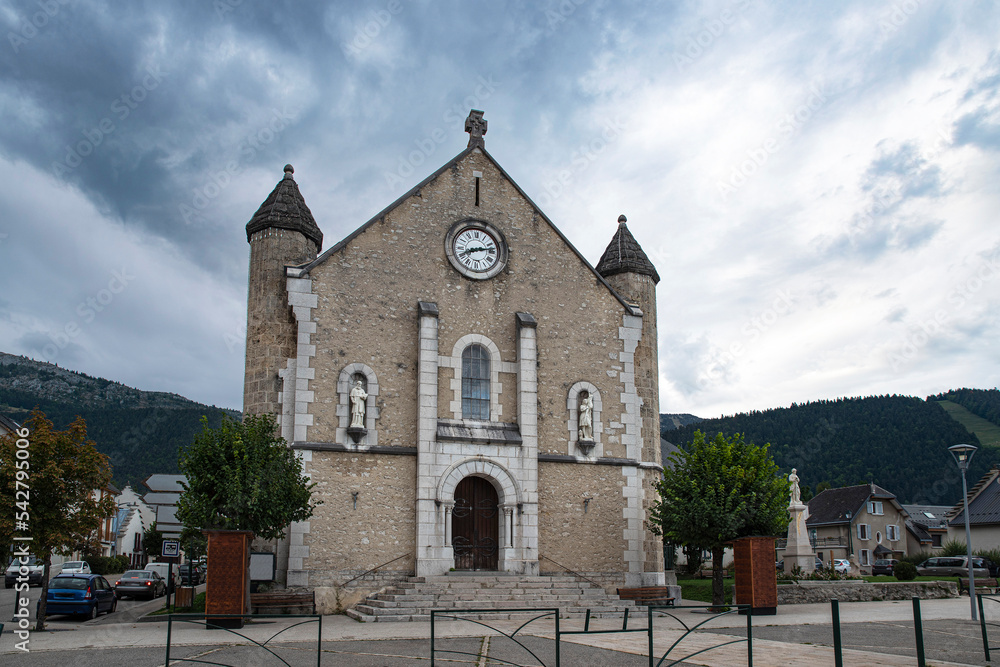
<point>647,595</point>
<point>984,585</point>
<point>282,600</point>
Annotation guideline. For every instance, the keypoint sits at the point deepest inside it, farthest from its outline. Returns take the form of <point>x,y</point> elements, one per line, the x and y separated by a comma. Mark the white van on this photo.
<point>161,569</point>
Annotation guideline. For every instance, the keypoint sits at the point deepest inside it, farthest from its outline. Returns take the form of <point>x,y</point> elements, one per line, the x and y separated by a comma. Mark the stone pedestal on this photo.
<point>798,550</point>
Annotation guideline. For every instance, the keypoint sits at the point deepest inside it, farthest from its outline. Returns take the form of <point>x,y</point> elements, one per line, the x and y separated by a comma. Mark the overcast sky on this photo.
<point>816,182</point>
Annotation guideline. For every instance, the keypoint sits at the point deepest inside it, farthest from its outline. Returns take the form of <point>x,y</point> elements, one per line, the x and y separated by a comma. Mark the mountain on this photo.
<point>140,431</point>
<point>671,422</point>
<point>899,442</point>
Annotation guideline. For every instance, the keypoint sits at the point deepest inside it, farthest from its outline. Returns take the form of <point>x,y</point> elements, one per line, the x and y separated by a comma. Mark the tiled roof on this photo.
<point>918,530</point>
<point>285,208</point>
<point>8,425</point>
<point>624,255</point>
<point>832,505</point>
<point>937,519</point>
<point>984,508</point>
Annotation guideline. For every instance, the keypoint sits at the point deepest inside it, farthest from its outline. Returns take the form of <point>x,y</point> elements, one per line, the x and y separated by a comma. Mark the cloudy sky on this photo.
<point>816,182</point>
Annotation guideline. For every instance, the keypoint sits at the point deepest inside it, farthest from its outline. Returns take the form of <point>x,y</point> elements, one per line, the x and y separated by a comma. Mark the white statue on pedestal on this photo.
<point>358,398</point>
<point>796,493</point>
<point>587,417</point>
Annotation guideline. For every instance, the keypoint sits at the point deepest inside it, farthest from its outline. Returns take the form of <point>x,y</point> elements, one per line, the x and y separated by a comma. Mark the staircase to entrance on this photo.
<point>414,599</point>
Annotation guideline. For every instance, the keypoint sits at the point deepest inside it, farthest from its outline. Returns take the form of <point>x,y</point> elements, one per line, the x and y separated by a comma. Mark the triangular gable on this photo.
<point>304,269</point>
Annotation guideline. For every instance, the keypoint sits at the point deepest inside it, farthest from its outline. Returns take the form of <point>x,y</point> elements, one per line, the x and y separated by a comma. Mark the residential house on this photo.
<point>863,520</point>
<point>927,528</point>
<point>133,519</point>
<point>984,514</point>
<point>8,425</point>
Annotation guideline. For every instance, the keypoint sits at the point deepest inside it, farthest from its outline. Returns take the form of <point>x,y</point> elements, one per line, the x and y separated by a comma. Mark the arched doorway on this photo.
<point>476,525</point>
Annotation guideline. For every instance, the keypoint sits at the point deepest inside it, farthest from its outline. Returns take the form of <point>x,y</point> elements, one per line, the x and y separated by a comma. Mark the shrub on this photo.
<point>905,571</point>
<point>953,548</point>
<point>991,554</point>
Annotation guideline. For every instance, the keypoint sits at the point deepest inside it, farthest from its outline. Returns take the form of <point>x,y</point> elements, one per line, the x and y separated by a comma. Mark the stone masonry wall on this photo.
<point>582,539</point>
<point>271,334</point>
<point>344,541</point>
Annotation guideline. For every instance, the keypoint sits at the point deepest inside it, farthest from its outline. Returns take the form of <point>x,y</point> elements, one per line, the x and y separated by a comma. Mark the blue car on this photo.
<point>84,594</point>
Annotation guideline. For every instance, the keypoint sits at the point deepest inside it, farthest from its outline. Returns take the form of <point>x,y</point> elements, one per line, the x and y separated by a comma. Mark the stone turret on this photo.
<point>282,232</point>
<point>630,273</point>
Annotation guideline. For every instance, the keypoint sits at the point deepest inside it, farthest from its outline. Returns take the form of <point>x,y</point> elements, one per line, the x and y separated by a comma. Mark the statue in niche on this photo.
<point>358,398</point>
<point>586,416</point>
<point>796,493</point>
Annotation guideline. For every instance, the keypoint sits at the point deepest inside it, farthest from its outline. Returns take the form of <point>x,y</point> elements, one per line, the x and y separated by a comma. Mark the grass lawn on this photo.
<point>700,590</point>
<point>198,608</point>
<point>889,577</point>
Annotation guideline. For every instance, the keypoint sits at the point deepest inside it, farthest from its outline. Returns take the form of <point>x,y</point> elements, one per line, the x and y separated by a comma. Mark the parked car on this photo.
<point>191,575</point>
<point>993,568</point>
<point>82,594</point>
<point>75,567</point>
<point>141,583</point>
<point>884,566</point>
<point>842,565</point>
<point>34,570</point>
<point>165,570</point>
<point>952,566</point>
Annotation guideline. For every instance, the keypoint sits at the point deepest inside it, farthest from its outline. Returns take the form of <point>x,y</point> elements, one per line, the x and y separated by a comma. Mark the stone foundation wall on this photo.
<point>334,599</point>
<point>863,591</point>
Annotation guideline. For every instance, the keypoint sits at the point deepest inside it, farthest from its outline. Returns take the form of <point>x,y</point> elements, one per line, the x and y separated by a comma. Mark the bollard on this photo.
<point>838,650</point>
<point>918,629</point>
<point>982,625</point>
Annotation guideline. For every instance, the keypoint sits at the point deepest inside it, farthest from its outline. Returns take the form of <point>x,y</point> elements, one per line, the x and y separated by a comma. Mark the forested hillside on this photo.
<point>140,431</point>
<point>983,403</point>
<point>898,442</point>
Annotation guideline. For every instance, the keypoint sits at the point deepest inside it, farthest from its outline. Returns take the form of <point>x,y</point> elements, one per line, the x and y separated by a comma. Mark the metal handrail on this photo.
<point>571,571</point>
<point>371,571</point>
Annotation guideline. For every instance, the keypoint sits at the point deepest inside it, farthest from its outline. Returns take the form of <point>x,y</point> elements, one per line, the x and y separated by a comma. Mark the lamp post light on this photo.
<point>963,455</point>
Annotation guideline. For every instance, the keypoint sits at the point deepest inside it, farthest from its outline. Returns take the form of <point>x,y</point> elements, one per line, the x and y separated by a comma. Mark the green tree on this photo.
<point>193,542</point>
<point>719,490</point>
<point>152,541</point>
<point>242,476</point>
<point>56,496</point>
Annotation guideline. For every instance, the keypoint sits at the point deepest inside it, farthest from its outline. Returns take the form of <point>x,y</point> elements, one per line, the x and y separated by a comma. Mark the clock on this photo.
<point>476,249</point>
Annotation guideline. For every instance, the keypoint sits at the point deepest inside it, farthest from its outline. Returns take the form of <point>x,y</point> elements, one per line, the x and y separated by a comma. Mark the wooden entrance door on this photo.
<point>475,525</point>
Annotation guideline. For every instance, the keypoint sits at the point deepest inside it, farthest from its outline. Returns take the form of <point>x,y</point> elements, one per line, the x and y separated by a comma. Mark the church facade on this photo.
<point>466,391</point>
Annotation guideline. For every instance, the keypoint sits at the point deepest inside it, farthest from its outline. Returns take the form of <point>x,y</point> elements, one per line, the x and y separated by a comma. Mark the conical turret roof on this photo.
<point>285,208</point>
<point>624,255</point>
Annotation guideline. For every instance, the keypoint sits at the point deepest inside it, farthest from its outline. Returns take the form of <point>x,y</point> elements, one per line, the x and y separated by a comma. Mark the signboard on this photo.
<point>262,566</point>
<point>171,548</point>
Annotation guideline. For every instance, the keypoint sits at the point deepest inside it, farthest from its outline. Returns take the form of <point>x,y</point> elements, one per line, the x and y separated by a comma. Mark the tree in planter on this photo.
<point>243,476</point>
<point>716,492</point>
<point>51,491</point>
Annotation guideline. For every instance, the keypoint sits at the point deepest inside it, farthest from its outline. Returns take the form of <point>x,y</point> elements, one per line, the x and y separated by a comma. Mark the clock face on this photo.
<point>476,250</point>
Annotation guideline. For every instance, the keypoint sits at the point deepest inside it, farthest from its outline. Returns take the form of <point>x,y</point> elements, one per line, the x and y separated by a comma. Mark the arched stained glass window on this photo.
<point>475,383</point>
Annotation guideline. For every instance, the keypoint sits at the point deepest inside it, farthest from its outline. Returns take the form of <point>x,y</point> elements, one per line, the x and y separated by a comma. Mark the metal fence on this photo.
<point>220,621</point>
<point>654,617</point>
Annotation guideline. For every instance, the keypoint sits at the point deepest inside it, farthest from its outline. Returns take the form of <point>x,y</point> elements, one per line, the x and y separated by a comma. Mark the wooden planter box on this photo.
<point>228,585</point>
<point>756,579</point>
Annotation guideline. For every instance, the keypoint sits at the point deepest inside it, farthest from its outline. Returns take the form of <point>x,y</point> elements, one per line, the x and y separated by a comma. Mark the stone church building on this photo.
<point>464,388</point>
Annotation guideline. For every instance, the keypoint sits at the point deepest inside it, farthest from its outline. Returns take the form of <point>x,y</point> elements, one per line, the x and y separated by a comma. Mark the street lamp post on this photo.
<point>850,541</point>
<point>963,455</point>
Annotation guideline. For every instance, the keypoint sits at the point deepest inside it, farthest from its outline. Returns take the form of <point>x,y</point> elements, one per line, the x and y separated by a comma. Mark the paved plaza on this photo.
<point>877,634</point>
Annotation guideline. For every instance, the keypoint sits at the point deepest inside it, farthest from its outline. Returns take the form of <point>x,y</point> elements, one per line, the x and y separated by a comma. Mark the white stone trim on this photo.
<point>497,366</point>
<point>573,420</point>
<point>630,333</point>
<point>508,492</point>
<point>344,405</point>
<point>295,395</point>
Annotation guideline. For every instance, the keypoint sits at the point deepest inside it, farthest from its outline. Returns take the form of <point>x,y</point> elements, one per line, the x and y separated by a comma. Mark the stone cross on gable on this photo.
<point>475,125</point>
